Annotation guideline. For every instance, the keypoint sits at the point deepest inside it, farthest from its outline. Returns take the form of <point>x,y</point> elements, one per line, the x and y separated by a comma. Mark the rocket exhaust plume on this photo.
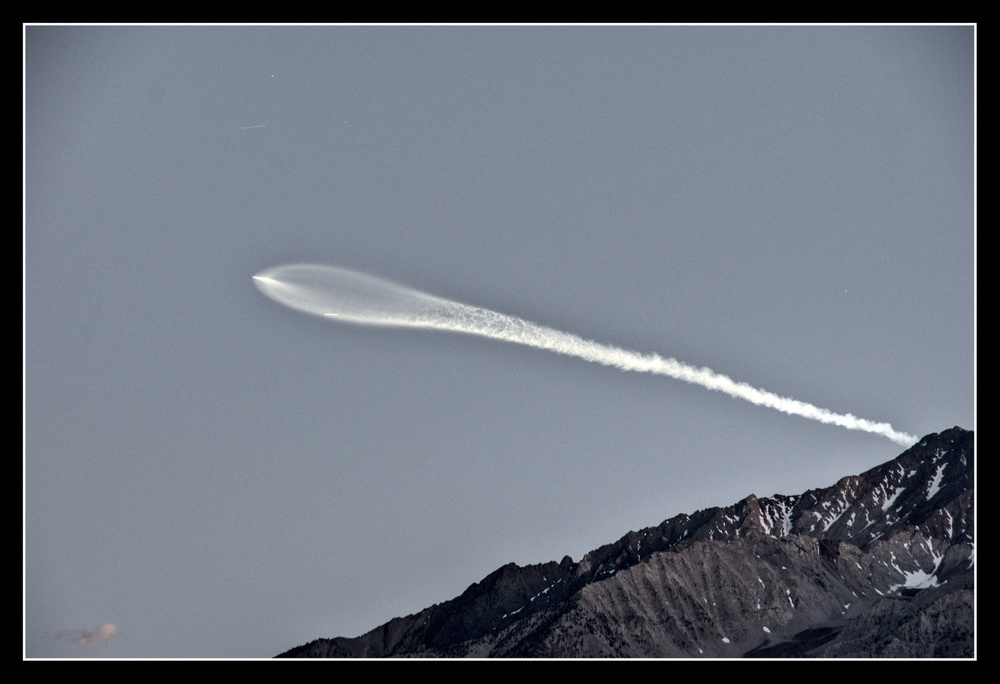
<point>351,297</point>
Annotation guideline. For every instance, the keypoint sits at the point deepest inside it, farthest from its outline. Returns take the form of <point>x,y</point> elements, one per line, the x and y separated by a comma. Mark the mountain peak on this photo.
<point>878,564</point>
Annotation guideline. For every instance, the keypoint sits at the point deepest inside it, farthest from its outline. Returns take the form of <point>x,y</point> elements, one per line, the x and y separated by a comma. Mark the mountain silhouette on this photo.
<point>879,564</point>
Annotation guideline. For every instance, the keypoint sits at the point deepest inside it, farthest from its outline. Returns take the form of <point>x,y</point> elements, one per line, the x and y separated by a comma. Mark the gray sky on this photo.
<point>219,476</point>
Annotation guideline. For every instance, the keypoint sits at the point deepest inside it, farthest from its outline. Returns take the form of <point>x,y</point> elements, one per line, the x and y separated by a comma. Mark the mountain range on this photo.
<point>878,565</point>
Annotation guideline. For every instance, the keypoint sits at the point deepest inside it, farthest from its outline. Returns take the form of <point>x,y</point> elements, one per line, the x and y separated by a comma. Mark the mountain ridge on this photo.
<point>813,574</point>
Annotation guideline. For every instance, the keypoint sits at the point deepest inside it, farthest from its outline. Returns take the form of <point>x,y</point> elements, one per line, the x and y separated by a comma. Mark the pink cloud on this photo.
<point>88,638</point>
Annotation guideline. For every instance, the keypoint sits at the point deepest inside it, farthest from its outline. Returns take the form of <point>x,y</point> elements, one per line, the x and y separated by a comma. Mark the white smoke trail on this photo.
<point>357,298</point>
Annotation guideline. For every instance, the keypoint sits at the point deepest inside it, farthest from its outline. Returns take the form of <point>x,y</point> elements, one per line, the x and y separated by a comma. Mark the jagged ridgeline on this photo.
<point>880,564</point>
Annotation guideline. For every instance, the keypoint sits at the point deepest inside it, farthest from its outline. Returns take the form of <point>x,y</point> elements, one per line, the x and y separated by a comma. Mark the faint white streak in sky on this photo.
<point>354,297</point>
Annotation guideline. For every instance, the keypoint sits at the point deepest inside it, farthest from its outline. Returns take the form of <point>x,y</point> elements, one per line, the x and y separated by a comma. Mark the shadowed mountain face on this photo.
<point>880,564</point>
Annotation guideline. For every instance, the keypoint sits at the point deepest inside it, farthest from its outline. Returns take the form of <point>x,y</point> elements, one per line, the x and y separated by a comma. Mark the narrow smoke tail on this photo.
<point>352,297</point>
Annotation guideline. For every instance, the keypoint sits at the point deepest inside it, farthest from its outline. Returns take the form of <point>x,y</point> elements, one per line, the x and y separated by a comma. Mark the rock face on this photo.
<point>881,564</point>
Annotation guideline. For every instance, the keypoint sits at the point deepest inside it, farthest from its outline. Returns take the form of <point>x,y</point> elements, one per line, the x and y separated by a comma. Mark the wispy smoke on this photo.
<point>468,319</point>
<point>352,297</point>
<point>89,638</point>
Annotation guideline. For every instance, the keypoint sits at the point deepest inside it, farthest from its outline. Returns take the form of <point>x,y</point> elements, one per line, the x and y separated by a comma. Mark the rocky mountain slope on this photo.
<point>880,564</point>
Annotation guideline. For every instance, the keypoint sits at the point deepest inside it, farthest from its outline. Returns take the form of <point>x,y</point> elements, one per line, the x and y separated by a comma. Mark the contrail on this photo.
<point>353,297</point>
